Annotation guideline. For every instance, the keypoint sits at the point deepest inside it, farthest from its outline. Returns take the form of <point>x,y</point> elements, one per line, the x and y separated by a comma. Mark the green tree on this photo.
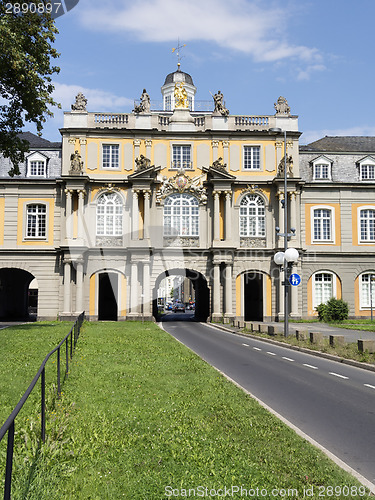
<point>26,55</point>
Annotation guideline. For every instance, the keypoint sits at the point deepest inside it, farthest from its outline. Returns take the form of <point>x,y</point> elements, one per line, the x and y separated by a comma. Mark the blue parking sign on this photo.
<point>294,279</point>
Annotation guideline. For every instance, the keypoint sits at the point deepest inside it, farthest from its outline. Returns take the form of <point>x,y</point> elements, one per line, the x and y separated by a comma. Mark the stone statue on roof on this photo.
<point>142,163</point>
<point>220,108</point>
<point>180,96</point>
<point>144,106</point>
<point>80,104</point>
<point>281,106</point>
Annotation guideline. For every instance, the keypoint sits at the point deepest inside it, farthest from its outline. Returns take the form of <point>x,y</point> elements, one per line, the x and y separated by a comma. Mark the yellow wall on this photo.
<point>238,295</point>
<point>92,294</point>
<point>122,305</point>
<point>2,212</point>
<point>21,225</point>
<point>336,206</point>
<point>269,295</point>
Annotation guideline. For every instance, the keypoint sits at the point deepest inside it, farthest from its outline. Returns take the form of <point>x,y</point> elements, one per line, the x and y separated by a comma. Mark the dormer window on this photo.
<point>321,169</point>
<point>367,169</point>
<point>36,165</point>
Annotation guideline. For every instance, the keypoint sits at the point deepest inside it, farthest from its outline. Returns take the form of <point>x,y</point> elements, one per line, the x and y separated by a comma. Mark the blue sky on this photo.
<point>319,54</point>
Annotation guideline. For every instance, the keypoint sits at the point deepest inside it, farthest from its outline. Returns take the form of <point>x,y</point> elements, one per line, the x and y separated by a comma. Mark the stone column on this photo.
<point>293,214</point>
<point>67,275</point>
<point>280,195</point>
<point>146,290</point>
<point>216,313</point>
<point>137,146</point>
<point>148,143</point>
<point>81,200</point>
<point>228,218</point>
<point>228,292</point>
<point>79,287</point>
<point>135,216</point>
<point>215,150</point>
<point>146,222</point>
<point>68,214</point>
<point>226,153</point>
<point>216,195</point>
<point>134,297</point>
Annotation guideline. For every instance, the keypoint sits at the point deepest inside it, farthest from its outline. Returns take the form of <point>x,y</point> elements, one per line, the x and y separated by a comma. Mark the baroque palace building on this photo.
<point>179,188</point>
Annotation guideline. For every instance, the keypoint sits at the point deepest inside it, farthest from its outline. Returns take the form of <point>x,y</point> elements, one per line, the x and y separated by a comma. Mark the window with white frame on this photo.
<point>367,225</point>
<point>181,156</point>
<point>323,288</point>
<point>252,216</point>
<point>367,290</point>
<point>36,165</point>
<point>251,157</point>
<point>321,171</point>
<point>36,221</point>
<point>181,215</point>
<point>322,224</point>
<point>168,103</point>
<point>367,172</point>
<point>111,156</point>
<point>109,215</point>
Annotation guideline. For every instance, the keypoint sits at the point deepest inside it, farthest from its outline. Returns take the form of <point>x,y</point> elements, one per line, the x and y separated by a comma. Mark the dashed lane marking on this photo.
<point>288,359</point>
<point>257,349</point>
<point>246,345</point>
<point>369,385</point>
<point>338,375</point>
<point>310,366</point>
<point>271,353</point>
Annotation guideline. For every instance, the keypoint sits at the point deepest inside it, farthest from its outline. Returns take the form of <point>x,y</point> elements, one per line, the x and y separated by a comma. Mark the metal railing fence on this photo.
<point>70,341</point>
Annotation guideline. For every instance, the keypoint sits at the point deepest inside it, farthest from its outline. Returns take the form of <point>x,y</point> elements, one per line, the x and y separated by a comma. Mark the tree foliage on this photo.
<point>26,55</point>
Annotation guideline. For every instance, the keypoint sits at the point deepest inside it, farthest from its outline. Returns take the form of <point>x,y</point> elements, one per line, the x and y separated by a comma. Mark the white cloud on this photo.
<point>97,99</point>
<point>313,135</point>
<point>245,26</point>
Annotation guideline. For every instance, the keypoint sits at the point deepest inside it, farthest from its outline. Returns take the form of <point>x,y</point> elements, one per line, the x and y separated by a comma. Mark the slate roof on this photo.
<point>186,77</point>
<point>37,142</point>
<point>342,144</point>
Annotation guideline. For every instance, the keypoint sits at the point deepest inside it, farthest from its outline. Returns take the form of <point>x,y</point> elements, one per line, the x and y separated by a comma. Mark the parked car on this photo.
<point>178,307</point>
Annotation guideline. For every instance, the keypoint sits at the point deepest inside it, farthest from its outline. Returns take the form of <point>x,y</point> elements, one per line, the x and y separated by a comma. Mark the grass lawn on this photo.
<point>142,417</point>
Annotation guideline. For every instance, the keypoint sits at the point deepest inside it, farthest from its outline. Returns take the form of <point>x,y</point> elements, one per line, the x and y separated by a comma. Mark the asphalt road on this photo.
<point>331,402</point>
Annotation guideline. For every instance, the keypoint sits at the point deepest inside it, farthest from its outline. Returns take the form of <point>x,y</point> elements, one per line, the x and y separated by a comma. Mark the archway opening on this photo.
<point>181,294</point>
<point>18,301</point>
<point>108,287</point>
<point>253,288</point>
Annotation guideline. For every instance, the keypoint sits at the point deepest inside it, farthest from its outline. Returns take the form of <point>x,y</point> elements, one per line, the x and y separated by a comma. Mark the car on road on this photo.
<point>178,307</point>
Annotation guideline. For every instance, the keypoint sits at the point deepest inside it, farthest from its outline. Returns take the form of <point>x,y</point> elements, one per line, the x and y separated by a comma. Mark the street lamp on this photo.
<point>289,255</point>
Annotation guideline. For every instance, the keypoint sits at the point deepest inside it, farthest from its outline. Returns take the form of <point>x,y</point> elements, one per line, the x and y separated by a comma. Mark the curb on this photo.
<point>332,357</point>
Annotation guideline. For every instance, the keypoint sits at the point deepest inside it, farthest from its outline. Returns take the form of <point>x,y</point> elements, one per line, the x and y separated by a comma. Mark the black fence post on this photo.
<point>43,406</point>
<point>67,356</point>
<point>9,463</point>
<point>58,374</point>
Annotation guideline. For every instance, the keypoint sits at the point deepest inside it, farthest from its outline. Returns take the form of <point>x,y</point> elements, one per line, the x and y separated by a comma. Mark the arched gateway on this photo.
<point>14,294</point>
<point>202,293</point>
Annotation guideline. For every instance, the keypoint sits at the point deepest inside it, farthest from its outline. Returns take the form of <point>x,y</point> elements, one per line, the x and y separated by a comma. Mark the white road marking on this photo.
<point>368,385</point>
<point>247,345</point>
<point>338,375</point>
<point>257,349</point>
<point>271,353</point>
<point>288,359</point>
<point>310,366</point>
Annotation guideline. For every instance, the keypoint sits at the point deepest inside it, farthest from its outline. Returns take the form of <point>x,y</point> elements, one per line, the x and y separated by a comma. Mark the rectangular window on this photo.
<point>36,221</point>
<point>168,103</point>
<point>321,172</point>
<point>367,172</point>
<point>367,225</point>
<point>37,169</point>
<point>251,157</point>
<point>111,156</point>
<point>322,224</point>
<point>181,157</point>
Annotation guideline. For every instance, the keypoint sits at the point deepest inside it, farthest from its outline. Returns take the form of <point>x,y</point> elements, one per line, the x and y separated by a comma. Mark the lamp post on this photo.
<point>289,255</point>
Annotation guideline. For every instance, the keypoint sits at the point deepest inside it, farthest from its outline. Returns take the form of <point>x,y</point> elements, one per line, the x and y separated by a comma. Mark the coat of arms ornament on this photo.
<point>181,183</point>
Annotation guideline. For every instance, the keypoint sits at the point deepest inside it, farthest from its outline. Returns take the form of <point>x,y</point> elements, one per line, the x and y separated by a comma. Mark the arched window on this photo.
<point>109,215</point>
<point>252,216</point>
<point>181,215</point>
<point>367,290</point>
<point>323,288</point>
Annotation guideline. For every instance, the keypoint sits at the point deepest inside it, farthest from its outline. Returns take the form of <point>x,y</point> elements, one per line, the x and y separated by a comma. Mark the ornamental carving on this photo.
<point>180,96</point>
<point>252,242</point>
<point>289,166</point>
<point>76,164</point>
<point>181,183</point>
<point>142,163</point>
<point>80,104</point>
<point>219,165</point>
<point>252,189</point>
<point>109,241</point>
<point>181,241</point>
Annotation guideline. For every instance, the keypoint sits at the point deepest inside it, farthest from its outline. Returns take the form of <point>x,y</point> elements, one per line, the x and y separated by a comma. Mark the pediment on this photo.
<point>145,173</point>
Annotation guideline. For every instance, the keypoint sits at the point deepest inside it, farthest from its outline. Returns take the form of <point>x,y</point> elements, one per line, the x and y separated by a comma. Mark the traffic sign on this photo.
<point>294,279</point>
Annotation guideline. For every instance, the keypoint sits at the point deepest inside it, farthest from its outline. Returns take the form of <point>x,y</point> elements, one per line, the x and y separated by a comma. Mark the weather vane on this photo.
<point>177,50</point>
